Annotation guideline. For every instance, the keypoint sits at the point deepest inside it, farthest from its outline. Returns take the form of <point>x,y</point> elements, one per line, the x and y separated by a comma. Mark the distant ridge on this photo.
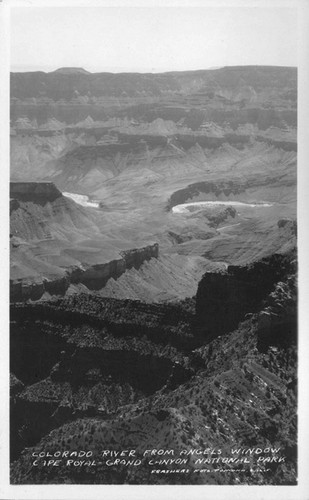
<point>68,71</point>
<point>55,85</point>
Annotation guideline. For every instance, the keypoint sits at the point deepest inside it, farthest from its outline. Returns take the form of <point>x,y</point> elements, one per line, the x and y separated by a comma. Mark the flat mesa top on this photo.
<point>68,71</point>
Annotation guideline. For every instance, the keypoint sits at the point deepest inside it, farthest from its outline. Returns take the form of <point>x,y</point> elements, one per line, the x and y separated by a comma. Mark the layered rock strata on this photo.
<point>94,277</point>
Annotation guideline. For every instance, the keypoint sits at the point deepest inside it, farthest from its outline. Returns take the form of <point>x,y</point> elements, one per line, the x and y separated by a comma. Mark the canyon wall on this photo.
<point>94,277</point>
<point>223,299</point>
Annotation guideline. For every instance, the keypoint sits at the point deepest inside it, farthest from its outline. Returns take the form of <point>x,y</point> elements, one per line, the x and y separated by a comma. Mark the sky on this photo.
<point>151,39</point>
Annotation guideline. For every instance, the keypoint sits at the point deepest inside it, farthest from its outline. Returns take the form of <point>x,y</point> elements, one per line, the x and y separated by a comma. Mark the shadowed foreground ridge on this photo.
<point>109,383</point>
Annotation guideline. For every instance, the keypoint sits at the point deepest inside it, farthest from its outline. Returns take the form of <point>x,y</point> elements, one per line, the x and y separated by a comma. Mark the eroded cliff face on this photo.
<point>224,299</point>
<point>97,276</point>
<point>94,277</point>
<point>34,289</point>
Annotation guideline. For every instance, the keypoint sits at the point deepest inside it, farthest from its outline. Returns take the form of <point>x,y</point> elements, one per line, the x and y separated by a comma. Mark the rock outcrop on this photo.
<point>33,289</point>
<point>277,322</point>
<point>224,299</point>
<point>37,192</point>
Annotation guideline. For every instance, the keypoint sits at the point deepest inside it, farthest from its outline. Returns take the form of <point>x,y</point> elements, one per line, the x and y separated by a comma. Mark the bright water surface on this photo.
<point>183,208</point>
<point>82,199</point>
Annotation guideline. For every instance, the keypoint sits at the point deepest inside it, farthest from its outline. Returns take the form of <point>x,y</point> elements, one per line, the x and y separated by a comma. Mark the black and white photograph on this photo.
<point>153,288</point>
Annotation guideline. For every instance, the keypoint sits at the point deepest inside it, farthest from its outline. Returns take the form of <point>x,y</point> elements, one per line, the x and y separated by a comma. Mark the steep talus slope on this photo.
<point>170,277</point>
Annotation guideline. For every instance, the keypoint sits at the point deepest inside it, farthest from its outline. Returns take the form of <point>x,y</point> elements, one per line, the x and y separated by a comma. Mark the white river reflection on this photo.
<point>185,207</point>
<point>82,199</point>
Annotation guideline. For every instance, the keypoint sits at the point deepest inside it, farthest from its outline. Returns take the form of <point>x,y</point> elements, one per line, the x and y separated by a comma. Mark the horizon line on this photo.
<point>14,69</point>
